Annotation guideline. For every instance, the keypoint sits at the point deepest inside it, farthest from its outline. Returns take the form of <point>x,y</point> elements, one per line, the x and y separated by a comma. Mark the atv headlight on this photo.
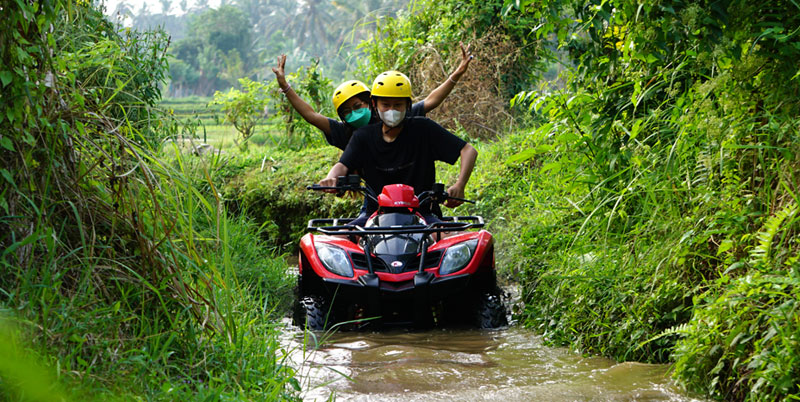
<point>334,259</point>
<point>457,257</point>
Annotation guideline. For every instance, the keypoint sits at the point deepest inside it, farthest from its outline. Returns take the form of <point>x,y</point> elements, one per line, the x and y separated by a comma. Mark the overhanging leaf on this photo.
<point>6,143</point>
<point>6,77</point>
<point>521,156</point>
<point>554,166</point>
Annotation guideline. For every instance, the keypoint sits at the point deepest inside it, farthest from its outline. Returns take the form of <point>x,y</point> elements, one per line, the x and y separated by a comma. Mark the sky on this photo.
<point>154,6</point>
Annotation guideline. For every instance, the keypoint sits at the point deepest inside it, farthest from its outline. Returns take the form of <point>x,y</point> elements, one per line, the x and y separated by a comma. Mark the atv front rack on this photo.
<point>338,226</point>
<point>334,226</point>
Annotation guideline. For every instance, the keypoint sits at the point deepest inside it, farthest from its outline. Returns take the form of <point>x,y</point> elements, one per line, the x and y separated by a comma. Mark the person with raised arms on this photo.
<point>402,149</point>
<point>351,100</point>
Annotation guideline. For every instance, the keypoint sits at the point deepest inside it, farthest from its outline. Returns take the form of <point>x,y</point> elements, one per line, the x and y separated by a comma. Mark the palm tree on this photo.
<point>165,6</point>
<point>124,10</point>
<point>312,28</point>
<point>361,15</point>
<point>314,24</point>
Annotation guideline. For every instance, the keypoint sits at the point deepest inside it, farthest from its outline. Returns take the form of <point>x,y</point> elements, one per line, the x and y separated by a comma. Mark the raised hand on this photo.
<point>466,58</point>
<point>280,74</point>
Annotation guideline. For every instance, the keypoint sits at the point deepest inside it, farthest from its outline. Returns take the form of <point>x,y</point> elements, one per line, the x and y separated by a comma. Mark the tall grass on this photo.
<point>686,252</point>
<point>122,270</point>
<point>22,373</point>
<point>650,210</point>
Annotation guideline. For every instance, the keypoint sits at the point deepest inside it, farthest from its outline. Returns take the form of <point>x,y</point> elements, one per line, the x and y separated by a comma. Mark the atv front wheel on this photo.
<point>490,312</point>
<point>312,311</point>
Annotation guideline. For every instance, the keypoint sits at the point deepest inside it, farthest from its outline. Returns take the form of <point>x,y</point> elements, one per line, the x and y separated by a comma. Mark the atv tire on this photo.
<point>490,312</point>
<point>312,312</point>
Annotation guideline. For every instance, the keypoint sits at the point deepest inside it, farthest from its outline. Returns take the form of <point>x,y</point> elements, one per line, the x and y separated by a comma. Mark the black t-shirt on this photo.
<point>341,132</point>
<point>409,159</point>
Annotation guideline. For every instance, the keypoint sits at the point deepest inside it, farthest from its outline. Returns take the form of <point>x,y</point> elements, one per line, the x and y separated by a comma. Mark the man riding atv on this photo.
<point>394,264</point>
<point>402,150</point>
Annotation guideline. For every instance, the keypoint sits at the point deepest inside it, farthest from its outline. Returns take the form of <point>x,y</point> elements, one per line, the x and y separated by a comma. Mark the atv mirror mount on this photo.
<point>351,180</point>
<point>346,183</point>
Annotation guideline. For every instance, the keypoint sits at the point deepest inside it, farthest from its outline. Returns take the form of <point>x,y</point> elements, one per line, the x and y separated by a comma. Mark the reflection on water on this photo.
<point>466,365</point>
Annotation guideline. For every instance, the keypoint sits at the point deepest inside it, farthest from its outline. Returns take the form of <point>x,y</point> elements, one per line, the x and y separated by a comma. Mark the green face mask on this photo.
<point>359,117</point>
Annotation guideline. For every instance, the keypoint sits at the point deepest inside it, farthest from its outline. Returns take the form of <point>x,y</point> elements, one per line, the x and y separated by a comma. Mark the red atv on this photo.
<point>397,269</point>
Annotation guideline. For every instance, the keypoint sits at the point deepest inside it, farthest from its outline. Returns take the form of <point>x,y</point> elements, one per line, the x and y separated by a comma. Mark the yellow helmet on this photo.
<point>347,90</point>
<point>391,84</point>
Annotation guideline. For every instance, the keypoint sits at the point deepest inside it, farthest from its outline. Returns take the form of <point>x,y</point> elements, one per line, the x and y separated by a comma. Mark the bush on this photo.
<point>243,108</point>
<point>275,193</point>
<point>649,205</point>
<point>423,42</point>
<point>115,266</point>
<point>742,344</point>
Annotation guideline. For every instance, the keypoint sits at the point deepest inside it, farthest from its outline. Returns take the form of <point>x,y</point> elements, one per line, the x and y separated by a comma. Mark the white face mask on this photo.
<point>392,117</point>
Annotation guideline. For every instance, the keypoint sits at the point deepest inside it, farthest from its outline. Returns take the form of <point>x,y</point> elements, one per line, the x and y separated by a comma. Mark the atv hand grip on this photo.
<point>461,199</point>
<point>318,187</point>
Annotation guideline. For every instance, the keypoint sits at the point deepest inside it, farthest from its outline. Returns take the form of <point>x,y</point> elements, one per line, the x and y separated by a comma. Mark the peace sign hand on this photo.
<point>466,58</point>
<point>280,74</point>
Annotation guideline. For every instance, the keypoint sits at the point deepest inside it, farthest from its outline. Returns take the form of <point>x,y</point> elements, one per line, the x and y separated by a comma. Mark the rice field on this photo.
<point>211,129</point>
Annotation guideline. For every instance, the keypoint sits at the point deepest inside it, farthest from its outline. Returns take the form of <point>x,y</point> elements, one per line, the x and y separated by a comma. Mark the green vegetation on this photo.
<point>215,53</point>
<point>193,108</point>
<point>271,189</point>
<point>214,47</point>
<point>244,109</point>
<point>424,43</point>
<point>122,275</point>
<point>647,206</point>
<point>638,166</point>
<point>202,122</point>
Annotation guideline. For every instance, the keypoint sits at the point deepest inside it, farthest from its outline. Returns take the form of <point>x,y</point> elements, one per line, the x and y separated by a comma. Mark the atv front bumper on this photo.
<point>438,287</point>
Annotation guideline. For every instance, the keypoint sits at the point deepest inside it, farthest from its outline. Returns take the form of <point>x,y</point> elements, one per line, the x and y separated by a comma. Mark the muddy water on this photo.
<point>467,365</point>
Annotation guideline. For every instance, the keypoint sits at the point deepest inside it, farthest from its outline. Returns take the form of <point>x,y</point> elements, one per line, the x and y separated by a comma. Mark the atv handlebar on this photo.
<point>346,183</point>
<point>335,226</point>
<point>352,182</point>
<point>438,195</point>
<point>318,187</point>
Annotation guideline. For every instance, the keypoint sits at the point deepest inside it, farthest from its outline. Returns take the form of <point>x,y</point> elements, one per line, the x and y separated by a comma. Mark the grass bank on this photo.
<point>649,206</point>
<point>696,266</point>
<point>122,275</point>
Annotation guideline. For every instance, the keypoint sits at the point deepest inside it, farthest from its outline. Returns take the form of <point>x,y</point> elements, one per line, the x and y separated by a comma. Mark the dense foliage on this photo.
<point>424,42</point>
<point>645,198</point>
<point>650,209</point>
<point>120,273</point>
<point>271,189</point>
<point>664,175</point>
<point>214,47</point>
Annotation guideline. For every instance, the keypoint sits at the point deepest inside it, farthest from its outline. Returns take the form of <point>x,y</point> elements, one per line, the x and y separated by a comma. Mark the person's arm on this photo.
<point>435,98</point>
<point>468,156</point>
<point>339,169</point>
<point>306,111</point>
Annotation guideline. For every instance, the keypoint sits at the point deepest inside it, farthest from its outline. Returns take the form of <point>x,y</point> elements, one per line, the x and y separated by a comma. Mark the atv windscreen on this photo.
<point>395,244</point>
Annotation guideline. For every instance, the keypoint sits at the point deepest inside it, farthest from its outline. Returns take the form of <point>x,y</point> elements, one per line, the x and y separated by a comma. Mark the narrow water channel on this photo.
<point>510,364</point>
